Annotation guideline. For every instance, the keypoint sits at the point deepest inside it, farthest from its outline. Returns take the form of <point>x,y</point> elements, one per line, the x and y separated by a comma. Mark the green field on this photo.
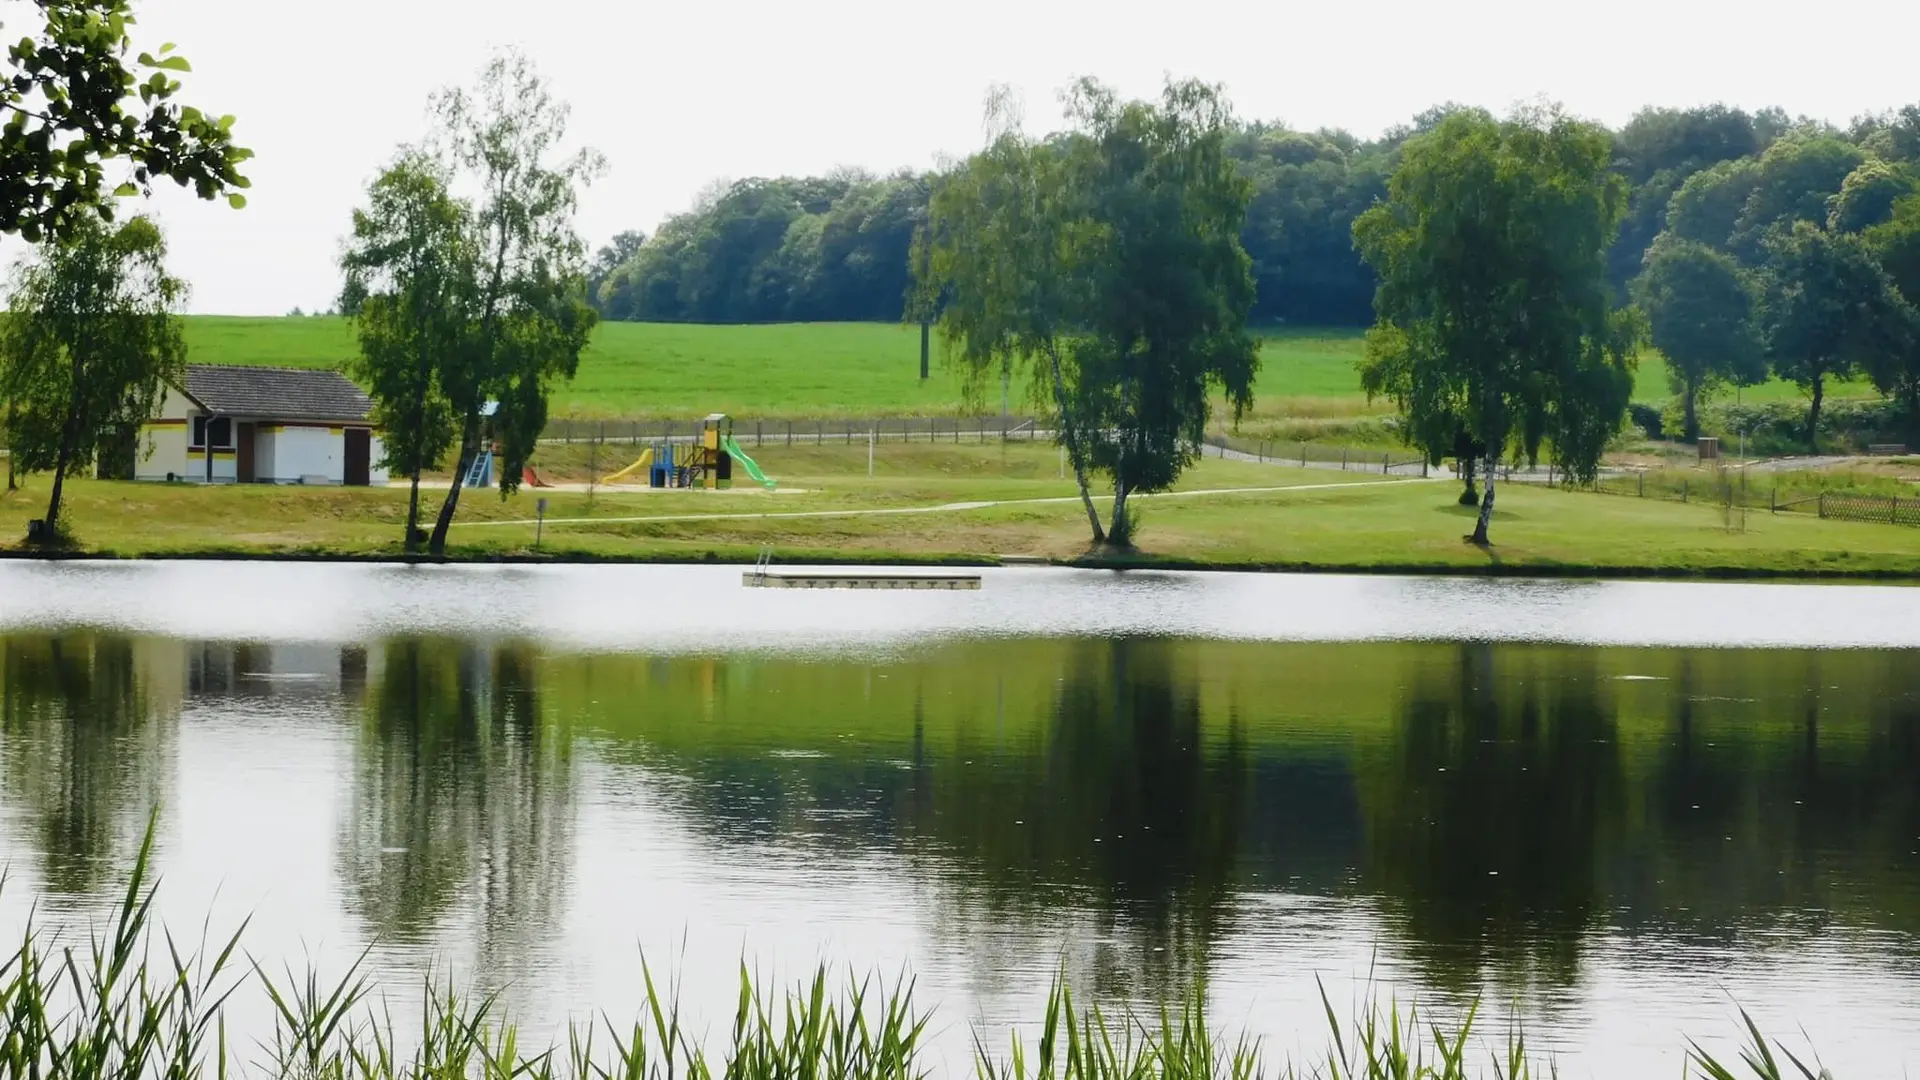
<point>830,370</point>
<point>973,502</point>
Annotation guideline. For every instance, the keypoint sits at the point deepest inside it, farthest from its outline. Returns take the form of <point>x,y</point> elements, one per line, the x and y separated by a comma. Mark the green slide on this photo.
<point>740,456</point>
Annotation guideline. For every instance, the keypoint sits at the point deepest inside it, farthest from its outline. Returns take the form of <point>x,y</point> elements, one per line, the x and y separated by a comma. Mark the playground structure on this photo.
<point>707,462</point>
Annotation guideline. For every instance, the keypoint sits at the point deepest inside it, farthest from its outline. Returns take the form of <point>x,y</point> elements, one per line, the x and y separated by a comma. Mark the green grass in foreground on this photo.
<point>808,370</point>
<point>1322,520</point>
<point>111,1011</point>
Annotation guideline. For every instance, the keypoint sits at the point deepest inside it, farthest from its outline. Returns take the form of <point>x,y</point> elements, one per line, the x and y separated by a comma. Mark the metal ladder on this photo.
<point>482,465</point>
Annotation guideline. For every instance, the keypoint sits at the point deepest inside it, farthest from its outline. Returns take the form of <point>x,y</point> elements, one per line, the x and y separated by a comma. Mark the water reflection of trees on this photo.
<point>1128,810</point>
<point>83,754</point>
<point>1503,803</point>
<point>1487,810</point>
<point>1788,790</point>
<point>462,799</point>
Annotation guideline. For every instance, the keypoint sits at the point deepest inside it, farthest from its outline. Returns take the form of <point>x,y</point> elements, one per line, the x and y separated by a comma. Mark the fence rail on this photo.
<point>1307,454</point>
<point>1735,491</point>
<point>1886,510</point>
<point>752,432</point>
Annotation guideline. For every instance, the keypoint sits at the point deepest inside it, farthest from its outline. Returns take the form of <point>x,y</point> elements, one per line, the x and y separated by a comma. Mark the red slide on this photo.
<point>531,478</point>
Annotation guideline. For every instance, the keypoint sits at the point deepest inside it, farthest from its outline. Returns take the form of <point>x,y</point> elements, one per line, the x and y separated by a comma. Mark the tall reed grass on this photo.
<point>134,1003</point>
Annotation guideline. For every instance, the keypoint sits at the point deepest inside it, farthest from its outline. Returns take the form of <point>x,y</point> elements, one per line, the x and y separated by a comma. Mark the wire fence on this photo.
<point>819,432</point>
<point>1734,489</point>
<point>1308,455</point>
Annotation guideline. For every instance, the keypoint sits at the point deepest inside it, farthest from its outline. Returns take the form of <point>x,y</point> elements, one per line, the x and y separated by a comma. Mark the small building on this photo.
<point>226,424</point>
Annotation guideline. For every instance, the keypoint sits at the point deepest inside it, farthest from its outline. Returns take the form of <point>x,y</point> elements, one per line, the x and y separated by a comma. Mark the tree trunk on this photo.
<point>469,449</point>
<point>1470,494</point>
<point>1120,533</point>
<point>69,430</point>
<point>419,412</point>
<point>13,418</point>
<point>1813,415</point>
<point>1486,508</point>
<point>413,514</point>
<point>1690,427</point>
<point>1070,437</point>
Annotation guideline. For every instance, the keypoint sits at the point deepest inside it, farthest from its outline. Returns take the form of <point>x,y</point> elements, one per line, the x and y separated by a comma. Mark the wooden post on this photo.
<point>759,433</point>
<point>789,433</point>
<point>1823,504</point>
<point>1343,459</point>
<point>1303,453</point>
<point>1384,466</point>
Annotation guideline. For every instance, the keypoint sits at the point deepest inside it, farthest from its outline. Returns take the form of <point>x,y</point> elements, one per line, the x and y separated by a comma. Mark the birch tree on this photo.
<point>1106,262</point>
<point>408,268</point>
<point>527,317</point>
<point>1494,312</point>
<point>90,338</point>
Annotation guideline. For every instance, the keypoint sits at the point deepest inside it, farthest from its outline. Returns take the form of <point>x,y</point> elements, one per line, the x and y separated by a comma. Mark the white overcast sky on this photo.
<point>678,94</point>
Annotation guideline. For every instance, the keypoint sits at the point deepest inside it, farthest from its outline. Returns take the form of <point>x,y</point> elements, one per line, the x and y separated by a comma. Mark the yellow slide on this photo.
<point>639,466</point>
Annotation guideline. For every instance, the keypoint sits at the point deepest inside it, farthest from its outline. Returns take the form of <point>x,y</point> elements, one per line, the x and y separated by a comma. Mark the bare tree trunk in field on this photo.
<point>1486,506</point>
<point>469,449</point>
<point>1470,493</point>
<point>1069,434</point>
<point>1121,531</point>
<point>13,417</point>
<point>1690,428</point>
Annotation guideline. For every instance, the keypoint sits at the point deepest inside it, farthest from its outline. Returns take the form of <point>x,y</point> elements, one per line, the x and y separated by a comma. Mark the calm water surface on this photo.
<point>1619,808</point>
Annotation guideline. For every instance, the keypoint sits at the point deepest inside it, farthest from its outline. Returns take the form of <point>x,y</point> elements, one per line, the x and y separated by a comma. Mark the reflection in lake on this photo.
<point>1608,835</point>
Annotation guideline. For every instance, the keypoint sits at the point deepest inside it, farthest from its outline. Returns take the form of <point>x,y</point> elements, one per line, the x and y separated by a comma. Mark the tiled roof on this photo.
<point>277,393</point>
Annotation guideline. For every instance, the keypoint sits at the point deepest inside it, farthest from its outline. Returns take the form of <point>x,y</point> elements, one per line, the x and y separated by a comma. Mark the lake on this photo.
<point>1621,811</point>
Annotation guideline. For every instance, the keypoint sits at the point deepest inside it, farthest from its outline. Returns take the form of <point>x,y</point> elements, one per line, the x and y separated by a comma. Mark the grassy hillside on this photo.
<point>637,370</point>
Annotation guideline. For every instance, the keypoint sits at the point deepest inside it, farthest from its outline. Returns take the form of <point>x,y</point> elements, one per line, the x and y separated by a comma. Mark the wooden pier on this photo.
<point>762,578</point>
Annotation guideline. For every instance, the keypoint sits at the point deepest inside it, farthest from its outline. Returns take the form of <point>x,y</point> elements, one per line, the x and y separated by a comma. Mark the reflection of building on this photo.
<point>230,424</point>
<point>228,669</point>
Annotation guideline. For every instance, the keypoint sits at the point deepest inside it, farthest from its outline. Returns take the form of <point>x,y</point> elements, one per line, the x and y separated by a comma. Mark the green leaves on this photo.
<point>1495,325</point>
<point>1701,309</point>
<point>79,81</point>
<point>91,335</point>
<point>1107,262</point>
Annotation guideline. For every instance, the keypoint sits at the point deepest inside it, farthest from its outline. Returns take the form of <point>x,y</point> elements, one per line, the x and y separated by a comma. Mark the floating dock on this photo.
<point>837,579</point>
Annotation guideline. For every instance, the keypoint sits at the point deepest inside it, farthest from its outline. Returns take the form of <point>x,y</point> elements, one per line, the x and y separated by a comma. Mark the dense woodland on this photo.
<point>838,247</point>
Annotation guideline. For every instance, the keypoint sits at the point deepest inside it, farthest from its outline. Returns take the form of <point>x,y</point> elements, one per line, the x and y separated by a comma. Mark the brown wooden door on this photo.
<point>243,452</point>
<point>359,457</point>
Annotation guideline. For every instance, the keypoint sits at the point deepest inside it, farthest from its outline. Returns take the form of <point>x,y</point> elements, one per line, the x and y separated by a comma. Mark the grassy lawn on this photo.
<point>830,509</point>
<point>815,370</point>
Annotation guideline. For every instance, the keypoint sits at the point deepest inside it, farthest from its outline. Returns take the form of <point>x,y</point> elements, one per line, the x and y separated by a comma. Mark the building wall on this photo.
<point>163,440</point>
<point>162,449</point>
<point>264,446</point>
<point>378,476</point>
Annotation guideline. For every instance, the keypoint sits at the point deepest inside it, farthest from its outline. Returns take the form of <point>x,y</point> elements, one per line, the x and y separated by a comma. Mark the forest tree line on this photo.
<point>839,247</point>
